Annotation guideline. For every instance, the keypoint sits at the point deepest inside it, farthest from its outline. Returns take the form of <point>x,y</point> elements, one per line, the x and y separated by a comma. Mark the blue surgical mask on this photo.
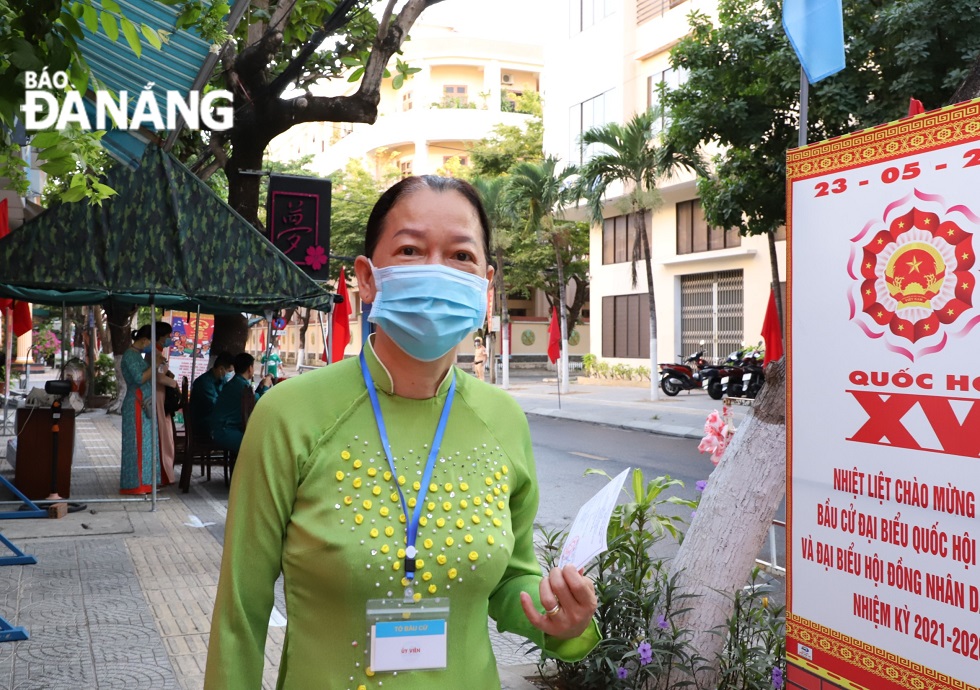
<point>168,342</point>
<point>228,376</point>
<point>146,350</point>
<point>428,310</point>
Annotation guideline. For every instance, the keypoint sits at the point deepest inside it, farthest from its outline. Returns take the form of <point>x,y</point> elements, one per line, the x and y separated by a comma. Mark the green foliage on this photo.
<point>76,164</point>
<point>603,370</point>
<point>507,146</point>
<point>105,376</point>
<point>354,192</point>
<point>589,362</point>
<point>895,49</point>
<point>638,602</point>
<point>755,640</point>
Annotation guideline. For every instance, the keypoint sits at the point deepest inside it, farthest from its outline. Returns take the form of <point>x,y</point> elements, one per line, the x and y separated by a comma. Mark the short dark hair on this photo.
<point>142,332</point>
<point>410,185</point>
<point>164,329</point>
<point>224,359</point>
<point>242,362</point>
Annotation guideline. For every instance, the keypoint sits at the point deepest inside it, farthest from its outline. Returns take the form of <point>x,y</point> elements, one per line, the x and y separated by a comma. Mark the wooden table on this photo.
<point>32,475</point>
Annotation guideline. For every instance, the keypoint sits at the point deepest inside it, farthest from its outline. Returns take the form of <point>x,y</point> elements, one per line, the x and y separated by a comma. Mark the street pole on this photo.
<point>154,431</point>
<point>804,106</point>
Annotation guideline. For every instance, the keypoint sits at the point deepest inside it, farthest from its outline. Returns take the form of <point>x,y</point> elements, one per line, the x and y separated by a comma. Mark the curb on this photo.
<point>662,430</point>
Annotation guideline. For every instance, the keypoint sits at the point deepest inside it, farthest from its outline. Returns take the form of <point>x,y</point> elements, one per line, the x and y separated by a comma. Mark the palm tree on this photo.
<point>635,156</point>
<point>491,190</point>
<point>539,192</point>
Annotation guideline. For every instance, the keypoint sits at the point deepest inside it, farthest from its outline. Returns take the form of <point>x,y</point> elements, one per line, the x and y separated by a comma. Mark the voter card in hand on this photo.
<point>587,537</point>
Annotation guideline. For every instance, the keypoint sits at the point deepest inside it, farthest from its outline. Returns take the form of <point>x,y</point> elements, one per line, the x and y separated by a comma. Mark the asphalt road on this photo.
<point>564,450</point>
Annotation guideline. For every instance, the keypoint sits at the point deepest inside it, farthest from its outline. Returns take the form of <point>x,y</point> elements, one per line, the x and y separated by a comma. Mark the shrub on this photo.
<point>105,376</point>
<point>589,364</point>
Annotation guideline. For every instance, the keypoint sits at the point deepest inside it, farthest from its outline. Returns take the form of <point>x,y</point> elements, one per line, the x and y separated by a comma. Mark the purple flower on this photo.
<point>662,622</point>
<point>777,677</point>
<point>646,653</point>
<point>701,485</point>
<point>621,673</point>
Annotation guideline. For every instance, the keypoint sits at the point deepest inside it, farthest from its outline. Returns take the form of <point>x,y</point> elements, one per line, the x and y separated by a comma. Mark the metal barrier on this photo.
<point>772,566</point>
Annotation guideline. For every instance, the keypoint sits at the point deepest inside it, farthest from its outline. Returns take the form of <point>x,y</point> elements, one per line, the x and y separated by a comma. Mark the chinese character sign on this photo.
<point>884,407</point>
<point>299,221</point>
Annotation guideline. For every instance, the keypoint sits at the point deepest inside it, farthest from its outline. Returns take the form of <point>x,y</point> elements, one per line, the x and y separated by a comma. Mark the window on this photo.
<point>618,237</point>
<point>626,326</point>
<point>585,13</point>
<point>648,9</point>
<point>694,234</point>
<point>405,168</point>
<point>463,160</point>
<point>582,117</point>
<point>407,101</point>
<point>454,96</point>
<point>671,79</point>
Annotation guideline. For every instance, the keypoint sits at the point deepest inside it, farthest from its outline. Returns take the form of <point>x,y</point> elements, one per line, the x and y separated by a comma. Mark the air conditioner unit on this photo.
<point>506,79</point>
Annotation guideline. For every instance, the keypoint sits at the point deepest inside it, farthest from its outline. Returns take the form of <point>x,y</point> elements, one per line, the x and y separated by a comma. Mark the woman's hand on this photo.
<point>569,600</point>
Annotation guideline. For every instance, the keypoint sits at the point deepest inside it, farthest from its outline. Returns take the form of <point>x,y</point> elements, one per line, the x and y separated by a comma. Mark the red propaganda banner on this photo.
<point>883,588</point>
<point>183,349</point>
<point>299,221</point>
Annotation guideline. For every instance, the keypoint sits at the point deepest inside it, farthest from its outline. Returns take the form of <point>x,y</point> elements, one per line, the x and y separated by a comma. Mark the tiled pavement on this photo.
<point>121,597</point>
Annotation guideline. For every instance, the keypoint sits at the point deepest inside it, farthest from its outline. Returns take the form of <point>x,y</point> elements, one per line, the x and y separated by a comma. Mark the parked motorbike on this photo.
<point>677,377</point>
<point>740,376</point>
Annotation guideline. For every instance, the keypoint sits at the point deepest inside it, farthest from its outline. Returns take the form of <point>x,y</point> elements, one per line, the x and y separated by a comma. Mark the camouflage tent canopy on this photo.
<point>165,238</point>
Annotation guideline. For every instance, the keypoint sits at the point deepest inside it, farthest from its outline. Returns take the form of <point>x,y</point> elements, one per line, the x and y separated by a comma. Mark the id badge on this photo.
<point>408,635</point>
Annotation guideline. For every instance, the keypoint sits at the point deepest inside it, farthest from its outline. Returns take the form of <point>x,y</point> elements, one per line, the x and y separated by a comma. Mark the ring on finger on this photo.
<point>553,611</point>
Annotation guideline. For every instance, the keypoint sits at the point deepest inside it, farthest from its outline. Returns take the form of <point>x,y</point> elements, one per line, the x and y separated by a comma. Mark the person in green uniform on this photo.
<point>394,476</point>
<point>272,362</point>
<point>204,394</point>
<point>227,422</point>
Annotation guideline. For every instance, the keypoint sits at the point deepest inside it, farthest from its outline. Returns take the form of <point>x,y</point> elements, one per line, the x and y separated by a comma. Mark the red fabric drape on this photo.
<point>340,321</point>
<point>554,336</point>
<point>772,331</point>
<point>22,311</point>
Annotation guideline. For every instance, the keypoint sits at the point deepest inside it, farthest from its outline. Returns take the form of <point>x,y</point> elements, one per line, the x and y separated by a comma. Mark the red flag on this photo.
<point>554,336</point>
<point>915,107</point>
<point>772,333</point>
<point>340,323</point>
<point>262,340</point>
<point>22,320</point>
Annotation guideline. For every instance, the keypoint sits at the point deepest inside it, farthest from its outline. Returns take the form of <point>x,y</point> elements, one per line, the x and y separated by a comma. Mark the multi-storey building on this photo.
<point>603,62</point>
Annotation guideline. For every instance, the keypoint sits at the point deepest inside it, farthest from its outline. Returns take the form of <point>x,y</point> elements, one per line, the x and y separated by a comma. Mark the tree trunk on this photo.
<point>119,321</point>
<point>100,326</point>
<point>970,88</point>
<point>641,225</point>
<point>504,320</point>
<point>774,267</point>
<point>230,333</point>
<point>714,561</point>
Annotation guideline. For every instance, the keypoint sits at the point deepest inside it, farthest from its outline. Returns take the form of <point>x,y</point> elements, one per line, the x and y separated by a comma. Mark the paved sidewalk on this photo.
<point>624,407</point>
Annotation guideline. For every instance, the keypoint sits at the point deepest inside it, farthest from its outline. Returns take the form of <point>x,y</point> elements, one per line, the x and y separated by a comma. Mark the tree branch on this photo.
<point>970,88</point>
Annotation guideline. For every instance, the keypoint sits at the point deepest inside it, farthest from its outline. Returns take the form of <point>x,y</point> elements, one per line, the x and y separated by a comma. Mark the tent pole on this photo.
<point>329,337</point>
<point>268,343</point>
<point>8,322</point>
<point>64,339</point>
<point>197,326</point>
<point>323,334</point>
<point>154,432</point>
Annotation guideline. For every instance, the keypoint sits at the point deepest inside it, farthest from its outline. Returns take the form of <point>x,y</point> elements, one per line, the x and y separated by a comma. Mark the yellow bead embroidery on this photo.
<point>430,505</point>
<point>488,481</point>
<point>339,476</point>
<point>401,553</point>
<point>463,486</point>
<point>387,476</point>
<point>372,472</point>
<point>463,504</point>
<point>357,482</point>
<point>358,518</point>
<point>357,464</point>
<point>367,504</point>
<point>447,506</point>
<point>490,539</point>
<point>476,519</point>
<point>345,455</point>
<point>496,491</point>
<point>383,510</point>
<point>433,589</point>
<point>504,488</point>
<point>394,497</point>
<point>376,491</point>
<point>426,576</point>
<point>369,672</point>
<point>374,532</point>
<point>460,524</point>
<point>406,582</point>
<point>441,559</point>
<point>468,538</point>
<point>503,468</point>
<point>389,532</point>
<point>501,504</point>
<point>477,500</point>
<point>397,565</point>
<point>401,518</point>
<point>417,596</point>
<point>447,486</point>
<point>497,522</point>
<point>348,500</point>
<point>423,521</point>
<point>433,487</point>
<point>384,547</point>
<point>449,541</point>
<point>417,485</point>
<point>473,555</point>
<point>497,475</point>
<point>451,573</point>
<point>412,502</point>
<point>427,543</point>
<point>488,512</point>
<point>401,480</point>
<point>419,563</point>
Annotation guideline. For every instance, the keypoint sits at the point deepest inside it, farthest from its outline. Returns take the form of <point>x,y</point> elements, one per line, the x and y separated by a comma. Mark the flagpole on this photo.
<point>9,328</point>
<point>804,105</point>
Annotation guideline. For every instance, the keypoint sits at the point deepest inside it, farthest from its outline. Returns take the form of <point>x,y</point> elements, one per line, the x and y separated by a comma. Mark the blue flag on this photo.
<point>815,29</point>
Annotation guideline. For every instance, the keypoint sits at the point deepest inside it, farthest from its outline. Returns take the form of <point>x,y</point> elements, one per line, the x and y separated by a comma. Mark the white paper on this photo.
<point>587,537</point>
